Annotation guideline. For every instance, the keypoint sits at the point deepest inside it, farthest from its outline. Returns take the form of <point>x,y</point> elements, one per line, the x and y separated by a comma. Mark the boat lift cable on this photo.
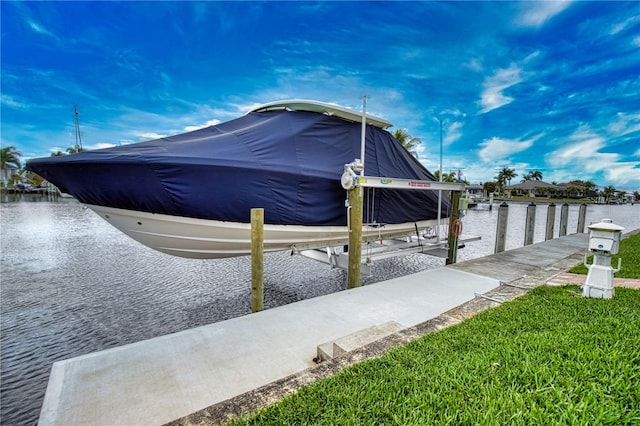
<point>418,234</point>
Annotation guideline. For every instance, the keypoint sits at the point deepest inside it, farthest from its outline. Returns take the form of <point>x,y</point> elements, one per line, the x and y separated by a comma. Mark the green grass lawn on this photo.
<point>630,254</point>
<point>549,357</point>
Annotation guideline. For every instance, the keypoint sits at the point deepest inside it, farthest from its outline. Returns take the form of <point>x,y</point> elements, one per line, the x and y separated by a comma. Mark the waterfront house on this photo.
<point>536,188</point>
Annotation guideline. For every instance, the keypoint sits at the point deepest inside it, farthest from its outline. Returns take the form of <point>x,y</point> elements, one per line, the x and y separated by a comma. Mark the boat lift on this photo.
<point>354,183</point>
<point>377,249</point>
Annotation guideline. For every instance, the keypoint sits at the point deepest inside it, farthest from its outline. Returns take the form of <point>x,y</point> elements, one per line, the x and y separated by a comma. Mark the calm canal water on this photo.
<point>72,284</point>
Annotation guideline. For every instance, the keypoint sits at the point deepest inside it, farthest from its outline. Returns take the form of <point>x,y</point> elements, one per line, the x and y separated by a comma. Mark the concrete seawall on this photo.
<point>205,375</point>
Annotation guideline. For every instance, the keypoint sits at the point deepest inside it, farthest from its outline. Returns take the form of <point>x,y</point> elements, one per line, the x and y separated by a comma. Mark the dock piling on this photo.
<point>551,219</point>
<point>455,228</point>
<point>501,232</point>
<point>582,216</point>
<point>356,199</point>
<point>530,224</point>
<point>564,219</point>
<point>257,263</point>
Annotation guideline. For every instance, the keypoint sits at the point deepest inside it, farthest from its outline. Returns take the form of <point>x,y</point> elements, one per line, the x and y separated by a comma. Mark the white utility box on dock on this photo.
<point>604,241</point>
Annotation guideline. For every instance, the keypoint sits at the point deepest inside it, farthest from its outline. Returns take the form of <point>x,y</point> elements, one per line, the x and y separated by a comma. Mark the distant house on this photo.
<point>475,191</point>
<point>624,197</point>
<point>535,188</point>
<point>7,174</point>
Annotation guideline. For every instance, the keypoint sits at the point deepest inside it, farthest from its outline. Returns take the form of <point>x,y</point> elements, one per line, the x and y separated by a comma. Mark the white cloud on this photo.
<point>474,64</point>
<point>10,102</point>
<point>496,149</point>
<point>584,155</point>
<point>537,13</point>
<point>621,26</point>
<point>99,145</point>
<point>40,29</point>
<point>624,124</point>
<point>623,173</point>
<point>494,86</point>
<point>202,126</point>
<point>453,132</point>
<point>150,135</point>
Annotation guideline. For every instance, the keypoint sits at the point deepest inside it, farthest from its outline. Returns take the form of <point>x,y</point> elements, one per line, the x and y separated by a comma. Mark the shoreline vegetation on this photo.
<point>548,357</point>
<point>36,190</point>
<point>548,200</point>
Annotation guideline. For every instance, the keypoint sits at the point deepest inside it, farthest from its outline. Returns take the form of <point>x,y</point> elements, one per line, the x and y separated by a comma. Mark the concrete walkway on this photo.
<point>170,377</point>
<point>577,279</point>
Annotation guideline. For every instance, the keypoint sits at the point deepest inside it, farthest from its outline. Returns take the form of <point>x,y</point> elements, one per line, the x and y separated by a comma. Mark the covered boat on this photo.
<point>191,194</point>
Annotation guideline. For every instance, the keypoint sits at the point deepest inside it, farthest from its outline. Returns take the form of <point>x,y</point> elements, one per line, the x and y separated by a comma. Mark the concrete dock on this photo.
<point>188,374</point>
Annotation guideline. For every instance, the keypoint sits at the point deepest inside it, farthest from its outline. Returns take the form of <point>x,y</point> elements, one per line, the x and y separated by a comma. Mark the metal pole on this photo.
<point>564,219</point>
<point>356,201</point>
<point>257,264</point>
<point>530,224</point>
<point>363,132</point>
<point>582,217</point>
<point>551,219</point>
<point>440,191</point>
<point>501,232</point>
<point>455,228</point>
<point>355,236</point>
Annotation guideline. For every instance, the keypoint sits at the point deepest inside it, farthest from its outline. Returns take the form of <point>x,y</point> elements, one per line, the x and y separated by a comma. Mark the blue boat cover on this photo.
<point>288,162</point>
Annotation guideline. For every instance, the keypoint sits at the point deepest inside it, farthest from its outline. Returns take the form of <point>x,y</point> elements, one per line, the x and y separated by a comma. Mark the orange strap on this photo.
<point>456,228</point>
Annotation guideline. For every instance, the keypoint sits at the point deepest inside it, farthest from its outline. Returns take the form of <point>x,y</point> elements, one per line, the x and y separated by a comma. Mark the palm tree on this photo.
<point>609,192</point>
<point>446,177</point>
<point>9,156</point>
<point>508,174</point>
<point>407,141</point>
<point>589,186</point>
<point>536,175</point>
<point>636,196</point>
<point>9,159</point>
<point>74,150</point>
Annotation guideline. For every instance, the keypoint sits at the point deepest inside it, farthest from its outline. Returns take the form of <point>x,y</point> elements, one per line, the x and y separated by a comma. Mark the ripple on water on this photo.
<point>71,285</point>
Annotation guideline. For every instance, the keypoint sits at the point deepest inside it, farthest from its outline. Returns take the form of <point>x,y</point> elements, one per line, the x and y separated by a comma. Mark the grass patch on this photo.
<point>549,357</point>
<point>630,254</point>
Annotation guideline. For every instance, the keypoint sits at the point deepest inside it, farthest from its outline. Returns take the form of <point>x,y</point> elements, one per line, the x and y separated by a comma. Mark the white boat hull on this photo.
<point>211,239</point>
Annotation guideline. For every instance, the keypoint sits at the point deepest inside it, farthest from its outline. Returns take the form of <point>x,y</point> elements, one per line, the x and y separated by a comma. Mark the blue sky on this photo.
<point>548,86</point>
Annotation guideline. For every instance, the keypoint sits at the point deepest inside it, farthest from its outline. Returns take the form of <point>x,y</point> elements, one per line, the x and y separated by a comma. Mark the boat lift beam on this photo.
<point>352,182</point>
<point>395,183</point>
<point>383,250</point>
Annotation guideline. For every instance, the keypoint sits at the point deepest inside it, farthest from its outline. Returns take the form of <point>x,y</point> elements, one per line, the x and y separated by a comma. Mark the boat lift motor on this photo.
<point>604,241</point>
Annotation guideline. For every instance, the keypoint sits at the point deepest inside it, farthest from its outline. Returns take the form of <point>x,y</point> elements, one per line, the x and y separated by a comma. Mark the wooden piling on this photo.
<point>551,220</point>
<point>564,219</point>
<point>530,224</point>
<point>501,232</point>
<point>257,256</point>
<point>356,199</point>
<point>455,228</point>
<point>582,217</point>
